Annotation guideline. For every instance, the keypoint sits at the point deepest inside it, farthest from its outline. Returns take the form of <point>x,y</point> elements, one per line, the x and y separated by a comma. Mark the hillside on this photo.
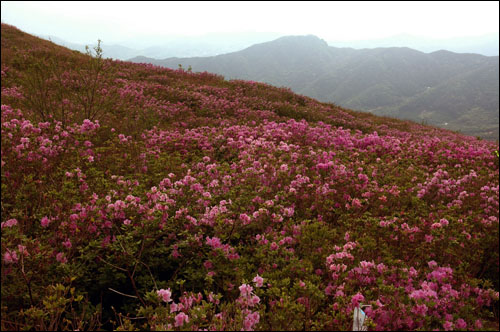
<point>136,197</point>
<point>446,89</point>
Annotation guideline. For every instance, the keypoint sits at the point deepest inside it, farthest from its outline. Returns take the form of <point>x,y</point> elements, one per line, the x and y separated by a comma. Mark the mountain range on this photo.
<point>169,46</point>
<point>458,91</point>
<point>485,45</point>
<point>161,46</point>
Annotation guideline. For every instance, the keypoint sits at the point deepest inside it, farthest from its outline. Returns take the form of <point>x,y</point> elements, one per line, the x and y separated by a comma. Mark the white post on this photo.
<point>358,319</point>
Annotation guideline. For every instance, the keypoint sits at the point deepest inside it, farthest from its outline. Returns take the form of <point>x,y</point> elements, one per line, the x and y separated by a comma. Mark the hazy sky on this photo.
<point>84,22</point>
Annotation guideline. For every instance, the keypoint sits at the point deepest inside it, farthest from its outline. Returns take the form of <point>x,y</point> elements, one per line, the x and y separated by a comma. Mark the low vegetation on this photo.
<point>136,197</point>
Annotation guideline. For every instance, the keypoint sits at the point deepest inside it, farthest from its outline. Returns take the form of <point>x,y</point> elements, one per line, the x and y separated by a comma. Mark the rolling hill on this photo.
<point>446,89</point>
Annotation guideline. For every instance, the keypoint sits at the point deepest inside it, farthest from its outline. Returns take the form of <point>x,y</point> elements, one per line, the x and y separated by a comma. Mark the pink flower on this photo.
<point>436,225</point>
<point>432,264</point>
<point>67,244</point>
<point>45,222</point>
<point>288,212</point>
<point>245,218</point>
<point>165,295</point>
<point>61,258</point>
<point>10,257</point>
<point>329,290</point>
<point>23,250</point>
<point>258,281</point>
<point>246,290</point>
<point>180,319</point>
<point>460,324</point>
<point>381,268</point>
<point>420,310</point>
<point>254,301</point>
<point>448,326</point>
<point>250,320</point>
<point>214,242</point>
<point>356,203</point>
<point>213,299</point>
<point>444,222</point>
<point>363,177</point>
<point>357,299</point>
<point>175,307</point>
<point>9,223</point>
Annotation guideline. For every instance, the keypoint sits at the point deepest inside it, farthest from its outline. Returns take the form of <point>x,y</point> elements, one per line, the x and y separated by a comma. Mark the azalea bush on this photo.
<point>182,201</point>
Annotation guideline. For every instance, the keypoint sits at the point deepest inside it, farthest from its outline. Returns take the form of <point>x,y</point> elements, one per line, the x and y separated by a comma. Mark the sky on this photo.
<point>85,22</point>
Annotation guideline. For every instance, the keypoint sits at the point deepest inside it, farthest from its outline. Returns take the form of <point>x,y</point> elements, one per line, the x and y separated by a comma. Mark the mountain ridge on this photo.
<point>483,44</point>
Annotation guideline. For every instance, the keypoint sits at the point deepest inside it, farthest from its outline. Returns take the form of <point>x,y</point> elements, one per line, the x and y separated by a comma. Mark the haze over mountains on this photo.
<point>174,46</point>
<point>451,90</point>
<point>484,45</point>
<point>160,47</point>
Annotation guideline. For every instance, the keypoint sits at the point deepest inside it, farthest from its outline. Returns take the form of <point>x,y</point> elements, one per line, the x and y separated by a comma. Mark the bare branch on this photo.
<point>117,292</point>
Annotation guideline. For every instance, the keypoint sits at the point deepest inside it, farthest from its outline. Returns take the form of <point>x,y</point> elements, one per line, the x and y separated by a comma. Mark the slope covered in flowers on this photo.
<point>138,197</point>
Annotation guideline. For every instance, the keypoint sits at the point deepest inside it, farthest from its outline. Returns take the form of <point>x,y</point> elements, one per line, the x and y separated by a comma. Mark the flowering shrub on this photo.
<point>196,203</point>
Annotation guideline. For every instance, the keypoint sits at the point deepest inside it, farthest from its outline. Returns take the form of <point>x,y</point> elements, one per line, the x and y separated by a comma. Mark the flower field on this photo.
<point>136,197</point>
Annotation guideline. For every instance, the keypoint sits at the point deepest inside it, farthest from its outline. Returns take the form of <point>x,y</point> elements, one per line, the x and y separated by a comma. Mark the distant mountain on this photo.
<point>451,90</point>
<point>160,47</point>
<point>169,46</point>
<point>484,45</point>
